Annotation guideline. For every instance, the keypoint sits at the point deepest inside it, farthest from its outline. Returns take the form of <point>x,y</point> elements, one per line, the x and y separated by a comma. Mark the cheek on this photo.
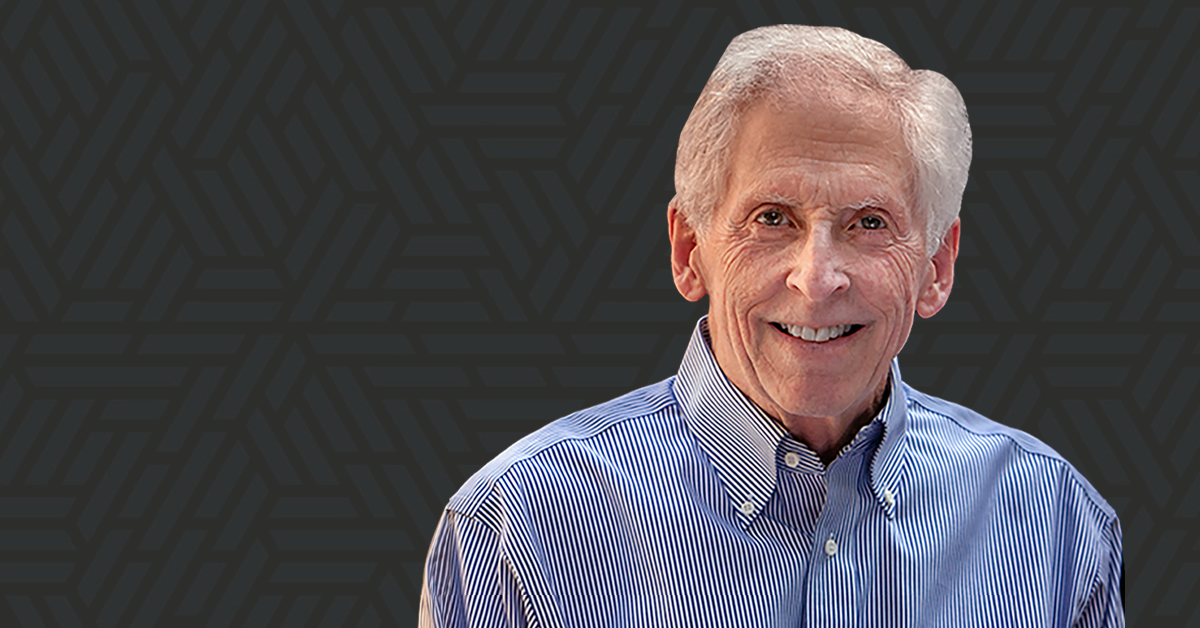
<point>892,281</point>
<point>745,267</point>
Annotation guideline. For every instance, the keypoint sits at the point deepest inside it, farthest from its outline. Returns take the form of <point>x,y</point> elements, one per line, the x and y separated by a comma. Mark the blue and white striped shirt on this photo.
<point>683,504</point>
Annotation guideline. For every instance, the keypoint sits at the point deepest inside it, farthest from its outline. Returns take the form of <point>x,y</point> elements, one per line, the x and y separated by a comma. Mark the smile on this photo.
<point>818,334</point>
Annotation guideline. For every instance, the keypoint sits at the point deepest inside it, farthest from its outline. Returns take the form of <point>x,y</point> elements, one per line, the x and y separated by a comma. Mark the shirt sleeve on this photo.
<point>468,580</point>
<point>1105,608</point>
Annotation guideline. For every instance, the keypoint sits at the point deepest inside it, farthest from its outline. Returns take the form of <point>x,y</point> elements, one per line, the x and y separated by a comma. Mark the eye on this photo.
<point>772,218</point>
<point>871,223</point>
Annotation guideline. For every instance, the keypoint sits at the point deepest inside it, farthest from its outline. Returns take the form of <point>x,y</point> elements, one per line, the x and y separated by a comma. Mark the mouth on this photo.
<point>817,334</point>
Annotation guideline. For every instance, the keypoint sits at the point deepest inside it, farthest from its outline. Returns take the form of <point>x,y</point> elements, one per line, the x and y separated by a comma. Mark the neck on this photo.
<point>827,436</point>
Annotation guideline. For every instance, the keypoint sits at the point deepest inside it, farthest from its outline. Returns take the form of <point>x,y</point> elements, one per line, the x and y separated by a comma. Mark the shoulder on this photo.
<point>538,453</point>
<point>966,441</point>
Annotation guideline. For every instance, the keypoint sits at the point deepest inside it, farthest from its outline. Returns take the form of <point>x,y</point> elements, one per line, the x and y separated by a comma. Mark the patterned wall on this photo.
<point>276,277</point>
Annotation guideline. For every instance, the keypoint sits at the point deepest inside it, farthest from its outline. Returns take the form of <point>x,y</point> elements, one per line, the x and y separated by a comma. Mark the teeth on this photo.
<point>816,335</point>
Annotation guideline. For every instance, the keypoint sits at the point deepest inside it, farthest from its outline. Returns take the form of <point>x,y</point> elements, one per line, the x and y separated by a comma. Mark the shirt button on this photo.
<point>791,459</point>
<point>889,498</point>
<point>747,507</point>
<point>830,548</point>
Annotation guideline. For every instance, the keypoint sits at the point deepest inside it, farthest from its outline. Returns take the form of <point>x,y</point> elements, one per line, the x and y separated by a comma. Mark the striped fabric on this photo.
<point>683,504</point>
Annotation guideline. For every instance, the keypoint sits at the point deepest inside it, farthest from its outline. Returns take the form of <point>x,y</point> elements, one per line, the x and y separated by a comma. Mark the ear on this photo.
<point>684,255</point>
<point>941,276</point>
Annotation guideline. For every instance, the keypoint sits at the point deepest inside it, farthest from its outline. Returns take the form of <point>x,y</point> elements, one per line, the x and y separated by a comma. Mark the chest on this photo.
<point>817,554</point>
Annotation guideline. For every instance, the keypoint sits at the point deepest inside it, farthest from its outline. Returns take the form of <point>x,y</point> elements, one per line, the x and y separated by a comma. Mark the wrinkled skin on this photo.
<point>817,228</point>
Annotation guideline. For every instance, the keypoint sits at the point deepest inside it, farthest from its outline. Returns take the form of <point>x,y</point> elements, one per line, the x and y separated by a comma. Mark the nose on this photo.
<point>818,268</point>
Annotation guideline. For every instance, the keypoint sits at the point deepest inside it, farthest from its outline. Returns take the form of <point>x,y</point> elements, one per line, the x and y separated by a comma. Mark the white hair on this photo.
<point>778,62</point>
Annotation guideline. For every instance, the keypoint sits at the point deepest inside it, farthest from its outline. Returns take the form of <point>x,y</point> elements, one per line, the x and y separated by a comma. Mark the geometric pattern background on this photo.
<point>277,277</point>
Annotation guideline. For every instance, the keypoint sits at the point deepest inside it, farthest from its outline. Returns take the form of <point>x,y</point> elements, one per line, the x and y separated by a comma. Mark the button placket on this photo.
<point>832,582</point>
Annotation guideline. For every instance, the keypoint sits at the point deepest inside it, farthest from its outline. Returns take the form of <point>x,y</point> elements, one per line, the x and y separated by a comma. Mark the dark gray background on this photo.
<point>277,277</point>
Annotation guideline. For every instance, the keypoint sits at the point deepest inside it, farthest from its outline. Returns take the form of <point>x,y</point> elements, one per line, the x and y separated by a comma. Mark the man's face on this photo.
<point>815,260</point>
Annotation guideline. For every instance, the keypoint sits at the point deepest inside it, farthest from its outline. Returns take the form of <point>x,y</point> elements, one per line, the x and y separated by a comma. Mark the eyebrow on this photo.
<point>871,201</point>
<point>777,199</point>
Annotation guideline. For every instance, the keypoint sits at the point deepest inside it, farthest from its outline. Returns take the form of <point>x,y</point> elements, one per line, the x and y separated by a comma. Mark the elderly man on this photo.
<point>786,476</point>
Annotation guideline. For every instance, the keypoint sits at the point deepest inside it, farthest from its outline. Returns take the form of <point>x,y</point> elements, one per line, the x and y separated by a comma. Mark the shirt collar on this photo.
<point>741,441</point>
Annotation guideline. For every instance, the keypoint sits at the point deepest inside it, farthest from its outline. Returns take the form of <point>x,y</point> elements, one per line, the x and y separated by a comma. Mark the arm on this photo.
<point>468,580</point>
<point>1105,607</point>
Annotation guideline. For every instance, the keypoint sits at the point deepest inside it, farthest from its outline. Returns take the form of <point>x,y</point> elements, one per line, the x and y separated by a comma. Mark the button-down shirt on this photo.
<point>683,504</point>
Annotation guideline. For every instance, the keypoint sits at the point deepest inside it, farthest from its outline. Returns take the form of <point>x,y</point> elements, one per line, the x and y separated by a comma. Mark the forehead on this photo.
<point>832,141</point>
